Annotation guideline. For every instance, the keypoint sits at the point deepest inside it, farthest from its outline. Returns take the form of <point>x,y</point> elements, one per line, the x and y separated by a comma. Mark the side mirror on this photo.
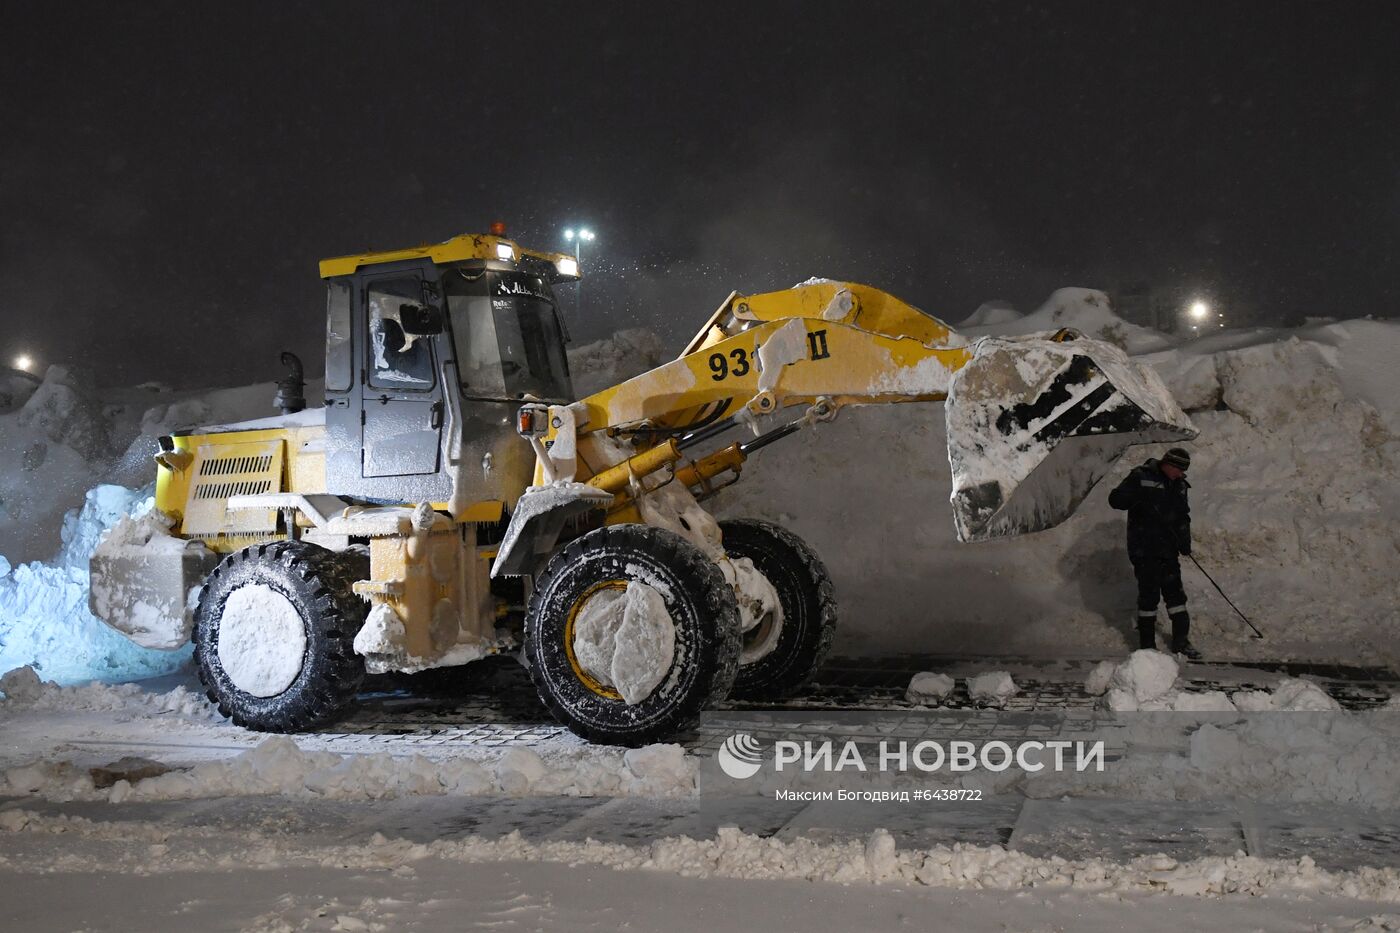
<point>420,321</point>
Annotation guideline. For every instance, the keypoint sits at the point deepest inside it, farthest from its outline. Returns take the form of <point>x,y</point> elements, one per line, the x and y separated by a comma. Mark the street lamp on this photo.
<point>1197,311</point>
<point>24,362</point>
<point>580,236</point>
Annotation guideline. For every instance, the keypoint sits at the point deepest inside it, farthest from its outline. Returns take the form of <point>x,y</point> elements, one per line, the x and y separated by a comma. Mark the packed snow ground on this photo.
<point>110,829</point>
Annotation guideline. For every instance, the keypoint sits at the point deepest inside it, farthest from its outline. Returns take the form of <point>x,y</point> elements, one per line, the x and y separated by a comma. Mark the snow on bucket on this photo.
<point>1034,423</point>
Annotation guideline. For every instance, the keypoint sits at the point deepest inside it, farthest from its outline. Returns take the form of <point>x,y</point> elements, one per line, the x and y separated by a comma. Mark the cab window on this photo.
<point>396,360</point>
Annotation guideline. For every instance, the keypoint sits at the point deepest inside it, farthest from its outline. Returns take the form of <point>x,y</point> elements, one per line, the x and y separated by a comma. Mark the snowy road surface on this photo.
<point>1243,850</point>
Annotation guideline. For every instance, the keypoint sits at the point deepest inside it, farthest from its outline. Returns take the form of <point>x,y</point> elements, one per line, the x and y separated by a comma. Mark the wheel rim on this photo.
<point>760,640</point>
<point>585,678</point>
<point>262,640</point>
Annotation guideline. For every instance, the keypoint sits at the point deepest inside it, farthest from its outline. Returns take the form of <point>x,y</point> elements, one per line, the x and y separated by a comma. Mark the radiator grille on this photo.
<point>224,470</point>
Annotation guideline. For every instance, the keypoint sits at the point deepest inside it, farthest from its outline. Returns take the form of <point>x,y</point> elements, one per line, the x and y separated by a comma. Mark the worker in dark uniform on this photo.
<point>1159,530</point>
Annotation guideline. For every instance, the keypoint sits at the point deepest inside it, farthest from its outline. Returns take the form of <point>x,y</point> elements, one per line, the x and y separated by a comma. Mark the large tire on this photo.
<point>809,608</point>
<point>308,590</point>
<point>702,608</point>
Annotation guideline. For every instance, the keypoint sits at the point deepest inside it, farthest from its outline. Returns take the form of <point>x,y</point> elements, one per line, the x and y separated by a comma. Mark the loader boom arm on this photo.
<point>844,343</point>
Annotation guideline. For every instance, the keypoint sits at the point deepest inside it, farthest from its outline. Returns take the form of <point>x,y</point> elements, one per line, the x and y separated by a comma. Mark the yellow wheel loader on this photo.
<point>452,499</point>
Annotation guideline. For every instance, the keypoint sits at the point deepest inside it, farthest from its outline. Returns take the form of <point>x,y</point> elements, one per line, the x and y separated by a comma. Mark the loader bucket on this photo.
<point>1034,423</point>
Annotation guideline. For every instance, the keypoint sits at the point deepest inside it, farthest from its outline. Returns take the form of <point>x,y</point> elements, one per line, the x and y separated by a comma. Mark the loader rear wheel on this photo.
<point>596,575</point>
<point>809,610</point>
<point>274,635</point>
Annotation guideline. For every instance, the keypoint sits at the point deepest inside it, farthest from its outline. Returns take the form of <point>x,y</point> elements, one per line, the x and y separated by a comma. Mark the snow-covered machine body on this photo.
<point>452,500</point>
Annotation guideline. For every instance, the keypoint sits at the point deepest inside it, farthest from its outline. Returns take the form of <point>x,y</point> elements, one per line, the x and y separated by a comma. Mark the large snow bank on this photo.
<point>1295,501</point>
<point>66,435</point>
<point>44,617</point>
<point>989,313</point>
<point>603,363</point>
<point>1087,310</point>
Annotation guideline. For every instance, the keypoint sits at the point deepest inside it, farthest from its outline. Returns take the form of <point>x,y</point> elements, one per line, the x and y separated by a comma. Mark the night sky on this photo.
<point>171,173</point>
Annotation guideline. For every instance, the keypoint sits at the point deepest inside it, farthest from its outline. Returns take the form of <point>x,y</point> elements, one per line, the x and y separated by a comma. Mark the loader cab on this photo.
<point>428,358</point>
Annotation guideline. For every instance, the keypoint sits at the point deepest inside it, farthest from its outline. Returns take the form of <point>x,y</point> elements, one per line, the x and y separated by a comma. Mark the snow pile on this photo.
<point>1147,675</point>
<point>57,443</point>
<point>989,313</point>
<point>61,436</point>
<point>928,689</point>
<point>16,386</point>
<point>1295,508</point>
<point>613,360</point>
<point>278,766</point>
<point>1291,694</point>
<point>69,444</point>
<point>1086,310</point>
<point>44,617</point>
<point>1147,682</point>
<point>993,688</point>
<point>24,691</point>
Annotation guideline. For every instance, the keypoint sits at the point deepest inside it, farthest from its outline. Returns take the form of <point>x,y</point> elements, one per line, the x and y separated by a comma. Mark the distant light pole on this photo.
<point>1198,311</point>
<point>581,236</point>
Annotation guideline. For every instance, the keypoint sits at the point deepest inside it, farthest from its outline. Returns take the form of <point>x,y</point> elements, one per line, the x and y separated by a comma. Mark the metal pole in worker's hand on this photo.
<point>1252,626</point>
<point>1257,633</point>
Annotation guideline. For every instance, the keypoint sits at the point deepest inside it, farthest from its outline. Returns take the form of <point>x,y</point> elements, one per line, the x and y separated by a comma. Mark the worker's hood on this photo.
<point>1034,423</point>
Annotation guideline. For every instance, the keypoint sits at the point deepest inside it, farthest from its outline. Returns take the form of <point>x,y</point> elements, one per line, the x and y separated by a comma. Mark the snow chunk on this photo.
<point>625,639</point>
<point>519,769</point>
<point>660,769</point>
<point>1206,701</point>
<point>381,640</point>
<point>1146,675</point>
<point>1294,693</point>
<point>993,688</point>
<point>21,685</point>
<point>1097,683</point>
<point>928,688</point>
<point>1213,748</point>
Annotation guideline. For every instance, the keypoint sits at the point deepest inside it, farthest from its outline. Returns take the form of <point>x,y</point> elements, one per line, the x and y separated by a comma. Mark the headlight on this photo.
<point>567,266</point>
<point>505,251</point>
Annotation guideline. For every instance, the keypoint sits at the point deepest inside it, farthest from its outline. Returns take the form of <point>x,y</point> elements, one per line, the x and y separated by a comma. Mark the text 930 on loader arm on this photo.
<point>453,500</point>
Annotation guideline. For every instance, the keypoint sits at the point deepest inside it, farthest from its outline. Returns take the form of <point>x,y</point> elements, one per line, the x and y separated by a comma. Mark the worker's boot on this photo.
<point>1147,630</point>
<point>1181,636</point>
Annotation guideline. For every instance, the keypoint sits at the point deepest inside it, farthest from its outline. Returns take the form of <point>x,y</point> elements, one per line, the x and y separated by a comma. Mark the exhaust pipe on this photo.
<point>291,388</point>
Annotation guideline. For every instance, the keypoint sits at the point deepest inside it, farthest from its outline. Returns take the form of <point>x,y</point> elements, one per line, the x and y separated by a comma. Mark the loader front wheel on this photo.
<point>809,610</point>
<point>274,635</point>
<point>630,632</point>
